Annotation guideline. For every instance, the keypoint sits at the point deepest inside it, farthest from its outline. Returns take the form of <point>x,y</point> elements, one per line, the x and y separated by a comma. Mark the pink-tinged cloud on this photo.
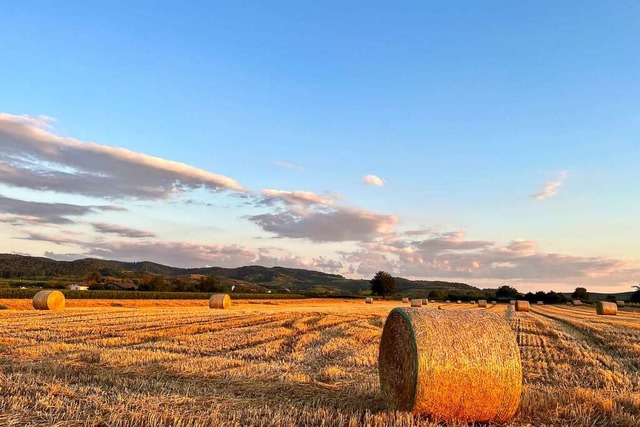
<point>373,180</point>
<point>122,231</point>
<point>31,156</point>
<point>551,188</point>
<point>289,198</point>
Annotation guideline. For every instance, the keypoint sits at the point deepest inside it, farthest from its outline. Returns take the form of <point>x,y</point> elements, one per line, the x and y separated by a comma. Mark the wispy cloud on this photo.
<point>27,212</point>
<point>122,231</point>
<point>373,180</point>
<point>303,198</point>
<point>551,188</point>
<point>33,157</point>
<point>287,165</point>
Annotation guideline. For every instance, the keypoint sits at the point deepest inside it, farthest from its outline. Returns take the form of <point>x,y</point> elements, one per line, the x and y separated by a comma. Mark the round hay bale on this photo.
<point>368,300</point>
<point>448,301</point>
<point>221,301</point>
<point>540,302</point>
<point>604,308</point>
<point>416,303</point>
<point>441,307</point>
<point>512,302</point>
<point>522,305</point>
<point>482,303</point>
<point>576,302</point>
<point>49,300</point>
<point>493,303</point>
<point>472,302</point>
<point>459,302</point>
<point>4,307</point>
<point>405,300</point>
<point>568,303</point>
<point>620,303</point>
<point>425,369</point>
<point>425,301</point>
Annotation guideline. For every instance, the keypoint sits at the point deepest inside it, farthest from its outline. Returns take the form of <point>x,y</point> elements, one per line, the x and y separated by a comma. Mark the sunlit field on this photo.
<point>272,363</point>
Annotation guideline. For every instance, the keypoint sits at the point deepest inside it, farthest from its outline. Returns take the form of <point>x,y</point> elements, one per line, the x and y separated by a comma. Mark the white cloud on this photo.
<point>551,188</point>
<point>373,180</point>
<point>33,157</point>
<point>303,198</point>
<point>287,165</point>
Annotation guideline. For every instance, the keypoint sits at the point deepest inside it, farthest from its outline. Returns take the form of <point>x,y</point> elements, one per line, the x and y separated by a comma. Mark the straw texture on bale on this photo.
<point>482,303</point>
<point>222,301</point>
<point>577,302</point>
<point>369,300</point>
<point>416,303</point>
<point>451,365</point>
<point>620,303</point>
<point>512,302</point>
<point>604,308</point>
<point>522,305</point>
<point>540,302</point>
<point>49,300</point>
<point>425,301</point>
<point>405,300</point>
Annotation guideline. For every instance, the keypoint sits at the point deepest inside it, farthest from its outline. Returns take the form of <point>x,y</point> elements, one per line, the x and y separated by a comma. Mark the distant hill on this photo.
<point>277,278</point>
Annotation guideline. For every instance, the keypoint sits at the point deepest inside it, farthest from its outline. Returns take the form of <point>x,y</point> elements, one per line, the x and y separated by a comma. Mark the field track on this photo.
<point>272,363</point>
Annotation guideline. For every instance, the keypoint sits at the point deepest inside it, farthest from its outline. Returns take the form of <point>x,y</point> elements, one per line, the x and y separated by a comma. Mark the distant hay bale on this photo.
<point>568,303</point>
<point>576,302</point>
<point>459,302</point>
<point>4,307</point>
<point>441,307</point>
<point>433,300</point>
<point>221,301</point>
<point>482,303</point>
<point>604,308</point>
<point>493,303</point>
<point>540,302</point>
<point>620,303</point>
<point>512,302</point>
<point>405,300</point>
<point>448,301</point>
<point>117,304</point>
<point>424,369</point>
<point>425,301</point>
<point>416,303</point>
<point>472,302</point>
<point>49,300</point>
<point>368,300</point>
<point>522,305</point>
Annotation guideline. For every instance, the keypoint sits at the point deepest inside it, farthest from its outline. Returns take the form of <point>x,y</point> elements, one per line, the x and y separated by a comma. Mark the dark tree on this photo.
<point>507,292</point>
<point>554,298</point>
<point>438,294</point>
<point>581,294</point>
<point>383,284</point>
<point>635,297</point>
<point>530,296</point>
<point>209,284</point>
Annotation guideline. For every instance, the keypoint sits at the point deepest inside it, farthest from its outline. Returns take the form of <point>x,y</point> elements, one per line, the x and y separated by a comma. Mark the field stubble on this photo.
<point>308,362</point>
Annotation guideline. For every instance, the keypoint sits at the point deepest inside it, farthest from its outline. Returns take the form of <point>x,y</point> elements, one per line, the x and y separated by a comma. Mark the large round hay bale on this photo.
<point>620,303</point>
<point>425,301</point>
<point>425,369</point>
<point>405,300</point>
<point>540,302</point>
<point>416,303</point>
<point>576,302</point>
<point>604,308</point>
<point>482,303</point>
<point>522,305</point>
<point>49,300</point>
<point>222,301</point>
<point>368,300</point>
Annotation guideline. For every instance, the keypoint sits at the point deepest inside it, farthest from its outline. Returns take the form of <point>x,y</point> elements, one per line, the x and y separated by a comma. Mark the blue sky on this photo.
<point>465,110</point>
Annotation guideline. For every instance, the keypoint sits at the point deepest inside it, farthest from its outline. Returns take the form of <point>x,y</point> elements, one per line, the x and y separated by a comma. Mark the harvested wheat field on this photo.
<point>272,363</point>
